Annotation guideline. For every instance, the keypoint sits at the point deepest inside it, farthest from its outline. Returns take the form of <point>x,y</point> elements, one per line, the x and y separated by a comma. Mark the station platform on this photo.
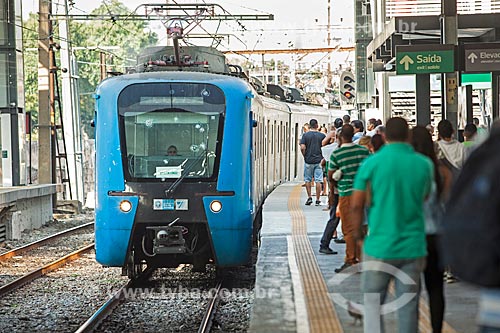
<point>297,290</point>
<point>24,208</point>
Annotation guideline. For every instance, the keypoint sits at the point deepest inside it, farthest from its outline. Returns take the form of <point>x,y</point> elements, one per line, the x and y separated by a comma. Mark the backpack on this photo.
<point>471,222</point>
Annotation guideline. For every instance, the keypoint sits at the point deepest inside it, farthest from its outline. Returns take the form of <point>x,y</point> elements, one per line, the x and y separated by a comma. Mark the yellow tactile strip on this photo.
<point>320,309</point>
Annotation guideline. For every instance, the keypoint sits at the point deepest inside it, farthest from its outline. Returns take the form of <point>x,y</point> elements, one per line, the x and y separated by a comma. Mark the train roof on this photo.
<point>223,81</point>
<point>177,76</point>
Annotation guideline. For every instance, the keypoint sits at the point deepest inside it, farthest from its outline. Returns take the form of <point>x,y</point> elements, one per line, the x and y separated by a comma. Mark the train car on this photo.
<point>199,203</point>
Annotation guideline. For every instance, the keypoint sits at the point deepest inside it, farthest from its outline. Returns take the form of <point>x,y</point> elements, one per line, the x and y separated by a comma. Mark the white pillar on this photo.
<point>71,115</point>
<point>6,133</point>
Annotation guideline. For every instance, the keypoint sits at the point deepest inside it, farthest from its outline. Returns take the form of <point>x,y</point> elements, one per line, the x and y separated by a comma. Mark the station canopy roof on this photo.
<point>415,30</point>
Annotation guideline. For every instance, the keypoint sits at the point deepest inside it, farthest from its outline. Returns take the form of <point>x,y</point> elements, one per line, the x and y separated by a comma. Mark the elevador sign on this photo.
<point>425,59</point>
<point>482,57</point>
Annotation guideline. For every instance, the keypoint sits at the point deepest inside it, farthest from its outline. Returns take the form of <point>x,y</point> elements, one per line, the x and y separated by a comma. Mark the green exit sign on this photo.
<point>425,59</point>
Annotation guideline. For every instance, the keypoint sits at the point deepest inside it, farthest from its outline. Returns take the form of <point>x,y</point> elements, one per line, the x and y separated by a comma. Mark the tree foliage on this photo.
<point>30,41</point>
<point>95,36</point>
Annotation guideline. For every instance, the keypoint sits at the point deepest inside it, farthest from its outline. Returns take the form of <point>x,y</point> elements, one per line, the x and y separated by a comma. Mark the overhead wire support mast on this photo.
<point>300,50</point>
<point>206,11</point>
<point>156,17</point>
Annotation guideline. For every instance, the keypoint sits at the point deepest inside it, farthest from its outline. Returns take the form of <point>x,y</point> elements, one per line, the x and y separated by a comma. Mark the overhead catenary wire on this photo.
<point>132,15</point>
<point>114,23</point>
<point>59,38</point>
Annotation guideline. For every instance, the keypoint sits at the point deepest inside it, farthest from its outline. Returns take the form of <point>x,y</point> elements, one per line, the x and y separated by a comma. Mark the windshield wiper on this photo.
<point>185,172</point>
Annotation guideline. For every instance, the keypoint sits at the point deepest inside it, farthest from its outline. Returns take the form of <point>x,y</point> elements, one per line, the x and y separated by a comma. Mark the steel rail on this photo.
<point>38,243</point>
<point>206,323</point>
<point>108,307</point>
<point>44,270</point>
<point>105,310</point>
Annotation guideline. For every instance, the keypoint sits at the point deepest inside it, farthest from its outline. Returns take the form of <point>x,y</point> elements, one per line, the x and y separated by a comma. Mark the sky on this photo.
<point>296,23</point>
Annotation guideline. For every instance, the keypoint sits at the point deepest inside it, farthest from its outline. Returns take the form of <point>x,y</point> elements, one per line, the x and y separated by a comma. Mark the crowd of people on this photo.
<point>388,217</point>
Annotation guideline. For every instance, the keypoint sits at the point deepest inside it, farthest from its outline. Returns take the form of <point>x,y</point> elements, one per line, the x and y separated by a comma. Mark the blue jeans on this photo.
<point>331,225</point>
<point>374,284</point>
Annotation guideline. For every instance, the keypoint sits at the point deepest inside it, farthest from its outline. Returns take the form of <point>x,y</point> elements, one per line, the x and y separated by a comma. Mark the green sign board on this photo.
<point>425,59</point>
<point>478,80</point>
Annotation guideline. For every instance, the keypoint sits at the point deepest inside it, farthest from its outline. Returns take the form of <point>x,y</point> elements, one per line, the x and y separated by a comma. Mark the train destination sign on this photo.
<point>482,60</point>
<point>425,59</point>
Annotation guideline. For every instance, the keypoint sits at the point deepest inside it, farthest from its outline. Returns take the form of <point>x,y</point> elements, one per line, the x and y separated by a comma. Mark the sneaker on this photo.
<point>450,278</point>
<point>318,202</point>
<point>327,250</point>
<point>309,201</point>
<point>339,241</point>
<point>343,267</point>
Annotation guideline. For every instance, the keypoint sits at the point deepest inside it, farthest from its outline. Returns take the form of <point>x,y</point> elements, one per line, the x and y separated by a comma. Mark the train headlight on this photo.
<point>125,206</point>
<point>216,206</point>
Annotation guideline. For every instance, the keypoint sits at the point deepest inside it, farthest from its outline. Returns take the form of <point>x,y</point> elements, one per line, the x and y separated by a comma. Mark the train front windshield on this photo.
<point>170,130</point>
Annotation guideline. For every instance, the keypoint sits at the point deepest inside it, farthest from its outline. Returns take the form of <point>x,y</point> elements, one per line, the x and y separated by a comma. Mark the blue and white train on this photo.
<point>204,204</point>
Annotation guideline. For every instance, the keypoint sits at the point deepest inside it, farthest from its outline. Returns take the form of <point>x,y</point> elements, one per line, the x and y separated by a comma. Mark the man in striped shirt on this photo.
<point>347,159</point>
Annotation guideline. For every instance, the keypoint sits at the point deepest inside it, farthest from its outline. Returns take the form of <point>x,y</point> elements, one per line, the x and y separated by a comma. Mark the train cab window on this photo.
<point>154,117</point>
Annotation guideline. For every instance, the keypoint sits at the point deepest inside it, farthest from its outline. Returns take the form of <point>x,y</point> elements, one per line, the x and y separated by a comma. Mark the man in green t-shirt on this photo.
<point>397,179</point>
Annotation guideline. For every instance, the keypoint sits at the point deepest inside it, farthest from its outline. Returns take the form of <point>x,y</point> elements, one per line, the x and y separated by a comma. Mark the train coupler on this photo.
<point>168,240</point>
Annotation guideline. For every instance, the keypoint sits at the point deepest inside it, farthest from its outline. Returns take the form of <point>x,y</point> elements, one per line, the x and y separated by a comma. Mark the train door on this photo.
<point>266,155</point>
<point>260,148</point>
<point>277,156</point>
<point>286,144</point>
<point>275,153</point>
<point>282,151</point>
<point>254,159</point>
<point>271,157</point>
<point>295,144</point>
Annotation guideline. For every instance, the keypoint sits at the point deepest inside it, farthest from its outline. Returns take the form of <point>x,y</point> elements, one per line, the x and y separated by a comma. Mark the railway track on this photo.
<point>65,297</point>
<point>114,301</point>
<point>44,241</point>
<point>42,256</point>
<point>207,321</point>
<point>60,301</point>
<point>41,271</point>
<point>105,311</point>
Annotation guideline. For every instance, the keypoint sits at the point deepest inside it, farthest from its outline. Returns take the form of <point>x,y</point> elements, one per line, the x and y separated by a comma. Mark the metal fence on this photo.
<point>433,7</point>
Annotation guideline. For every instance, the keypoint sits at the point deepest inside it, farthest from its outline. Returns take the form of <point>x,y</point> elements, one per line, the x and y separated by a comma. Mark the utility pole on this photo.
<point>449,35</point>
<point>328,40</point>
<point>102,65</point>
<point>46,159</point>
<point>169,42</point>
<point>71,114</point>
<point>264,81</point>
